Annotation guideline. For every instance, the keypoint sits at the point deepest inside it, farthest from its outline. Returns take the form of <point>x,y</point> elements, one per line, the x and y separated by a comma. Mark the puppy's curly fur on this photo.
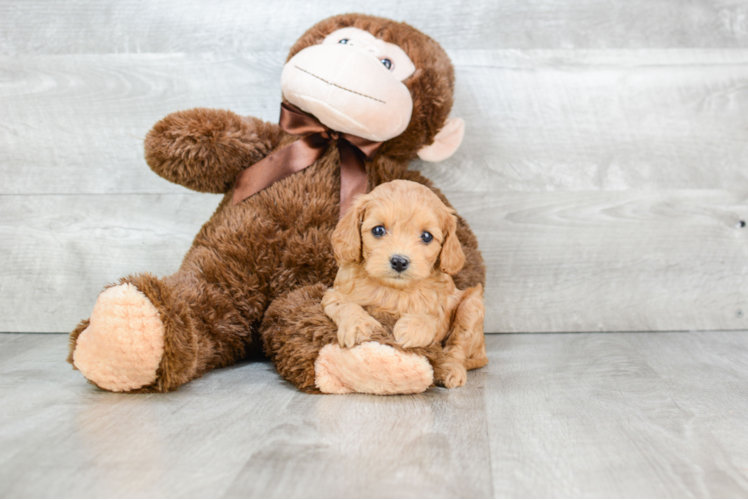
<point>396,251</point>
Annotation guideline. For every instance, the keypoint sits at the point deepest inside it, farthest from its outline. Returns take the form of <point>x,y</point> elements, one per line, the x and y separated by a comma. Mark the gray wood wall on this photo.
<point>605,168</point>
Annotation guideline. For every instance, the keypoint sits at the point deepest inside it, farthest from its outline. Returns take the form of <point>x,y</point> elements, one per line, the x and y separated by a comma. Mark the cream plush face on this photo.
<point>353,83</point>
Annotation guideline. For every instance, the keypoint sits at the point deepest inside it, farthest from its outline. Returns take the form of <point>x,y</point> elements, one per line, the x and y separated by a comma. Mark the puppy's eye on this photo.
<point>343,41</point>
<point>378,231</point>
<point>387,63</point>
<point>426,237</point>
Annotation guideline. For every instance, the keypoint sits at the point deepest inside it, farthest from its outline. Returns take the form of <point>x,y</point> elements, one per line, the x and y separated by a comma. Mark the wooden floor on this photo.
<point>553,415</point>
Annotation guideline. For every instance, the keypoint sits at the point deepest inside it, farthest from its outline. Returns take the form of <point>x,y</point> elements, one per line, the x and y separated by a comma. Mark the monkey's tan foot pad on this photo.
<point>123,345</point>
<point>371,368</point>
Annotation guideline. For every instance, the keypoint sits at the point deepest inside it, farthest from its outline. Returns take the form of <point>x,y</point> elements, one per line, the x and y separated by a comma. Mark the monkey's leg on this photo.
<point>465,347</point>
<point>152,335</point>
<point>302,342</point>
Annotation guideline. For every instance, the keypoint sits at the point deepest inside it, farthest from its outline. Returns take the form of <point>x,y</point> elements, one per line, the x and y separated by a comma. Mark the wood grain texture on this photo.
<point>429,445</point>
<point>612,261</point>
<point>537,120</point>
<point>611,120</point>
<point>90,26</point>
<point>557,415</point>
<point>76,124</point>
<point>617,415</point>
<point>239,432</point>
<point>592,261</point>
<point>58,252</point>
<point>716,390</point>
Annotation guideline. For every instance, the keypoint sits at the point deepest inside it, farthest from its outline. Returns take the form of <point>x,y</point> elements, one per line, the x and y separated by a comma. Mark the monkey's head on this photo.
<point>378,79</point>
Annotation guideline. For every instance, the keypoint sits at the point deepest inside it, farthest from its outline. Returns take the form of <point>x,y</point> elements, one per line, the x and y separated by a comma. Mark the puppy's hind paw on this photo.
<point>454,377</point>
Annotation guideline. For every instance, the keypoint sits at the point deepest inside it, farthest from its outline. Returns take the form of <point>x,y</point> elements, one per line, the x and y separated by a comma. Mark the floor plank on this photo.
<point>88,26</point>
<point>715,390</point>
<point>14,345</point>
<point>240,431</point>
<point>432,445</point>
<point>591,415</point>
<point>552,415</point>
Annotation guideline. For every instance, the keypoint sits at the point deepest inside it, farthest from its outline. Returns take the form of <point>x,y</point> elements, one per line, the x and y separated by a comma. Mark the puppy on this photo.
<point>396,249</point>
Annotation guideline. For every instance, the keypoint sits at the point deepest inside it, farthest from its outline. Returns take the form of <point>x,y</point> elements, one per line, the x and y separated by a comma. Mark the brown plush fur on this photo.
<point>258,269</point>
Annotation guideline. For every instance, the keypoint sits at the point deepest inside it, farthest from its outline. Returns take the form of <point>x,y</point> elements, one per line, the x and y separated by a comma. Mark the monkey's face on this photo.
<point>378,79</point>
<point>353,83</point>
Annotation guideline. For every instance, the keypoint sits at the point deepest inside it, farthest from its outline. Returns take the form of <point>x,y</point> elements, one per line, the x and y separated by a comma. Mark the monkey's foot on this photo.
<point>122,347</point>
<point>371,368</point>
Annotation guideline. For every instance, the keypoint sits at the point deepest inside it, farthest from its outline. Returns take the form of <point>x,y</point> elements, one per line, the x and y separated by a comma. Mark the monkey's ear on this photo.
<point>451,258</point>
<point>446,141</point>
<point>346,239</point>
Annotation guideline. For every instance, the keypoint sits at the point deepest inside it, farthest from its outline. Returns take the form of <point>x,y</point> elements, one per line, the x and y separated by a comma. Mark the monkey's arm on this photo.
<point>354,323</point>
<point>204,149</point>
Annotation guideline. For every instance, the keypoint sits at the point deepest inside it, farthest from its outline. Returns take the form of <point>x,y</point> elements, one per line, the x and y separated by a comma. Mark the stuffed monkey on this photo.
<point>362,97</point>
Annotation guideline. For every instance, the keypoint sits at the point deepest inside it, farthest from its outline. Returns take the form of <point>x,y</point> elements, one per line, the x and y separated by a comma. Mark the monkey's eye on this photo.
<point>343,41</point>
<point>387,63</point>
<point>426,237</point>
<point>378,231</point>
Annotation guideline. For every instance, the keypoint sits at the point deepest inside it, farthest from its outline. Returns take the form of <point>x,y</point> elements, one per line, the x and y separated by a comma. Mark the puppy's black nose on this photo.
<point>399,263</point>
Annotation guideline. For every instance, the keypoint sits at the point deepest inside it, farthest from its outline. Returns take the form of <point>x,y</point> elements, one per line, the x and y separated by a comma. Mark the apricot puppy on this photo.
<point>396,249</point>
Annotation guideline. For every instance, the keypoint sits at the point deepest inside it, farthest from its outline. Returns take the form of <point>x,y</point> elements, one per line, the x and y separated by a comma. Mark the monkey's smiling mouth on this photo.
<point>338,86</point>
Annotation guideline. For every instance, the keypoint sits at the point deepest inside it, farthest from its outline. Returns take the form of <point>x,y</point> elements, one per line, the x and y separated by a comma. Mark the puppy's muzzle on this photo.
<point>399,263</point>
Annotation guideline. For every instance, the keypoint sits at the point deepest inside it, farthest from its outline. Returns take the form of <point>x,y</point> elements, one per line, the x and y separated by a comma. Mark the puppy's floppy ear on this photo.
<point>346,239</point>
<point>451,258</point>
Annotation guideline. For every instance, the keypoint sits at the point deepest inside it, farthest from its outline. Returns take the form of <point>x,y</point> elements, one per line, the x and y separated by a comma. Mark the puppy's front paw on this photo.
<point>357,329</point>
<point>451,377</point>
<point>414,330</point>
